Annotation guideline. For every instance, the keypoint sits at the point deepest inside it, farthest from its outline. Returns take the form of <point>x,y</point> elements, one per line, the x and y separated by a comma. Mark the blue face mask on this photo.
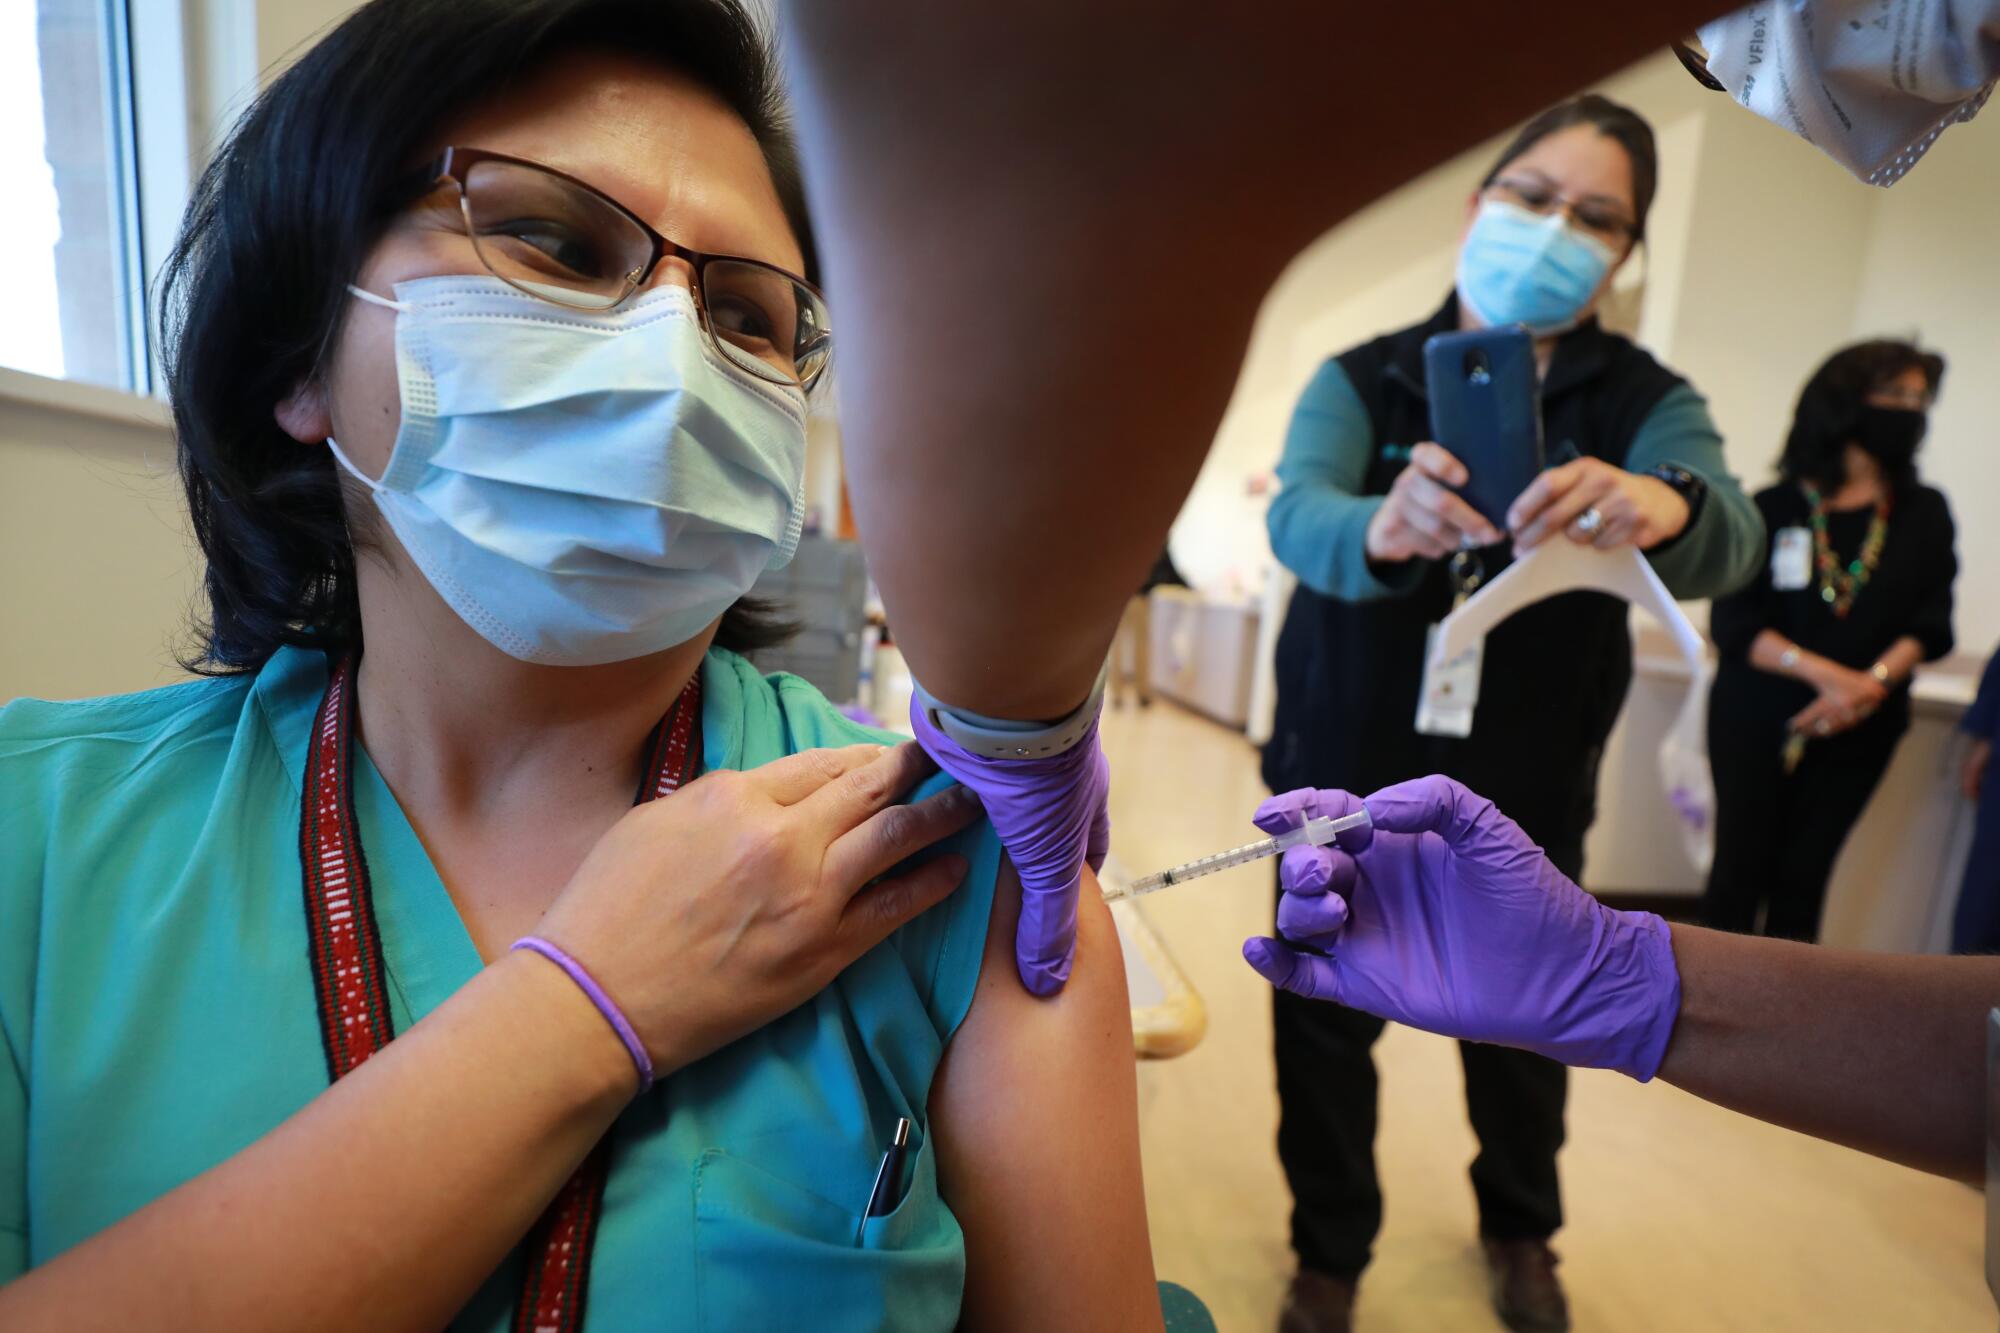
<point>581,487</point>
<point>1518,267</point>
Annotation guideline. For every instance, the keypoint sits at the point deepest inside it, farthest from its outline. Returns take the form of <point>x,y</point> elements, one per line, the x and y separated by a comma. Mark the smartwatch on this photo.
<point>1002,738</point>
<point>1685,484</point>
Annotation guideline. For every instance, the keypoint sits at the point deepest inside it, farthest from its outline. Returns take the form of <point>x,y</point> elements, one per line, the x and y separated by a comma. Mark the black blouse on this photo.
<point>1908,594</point>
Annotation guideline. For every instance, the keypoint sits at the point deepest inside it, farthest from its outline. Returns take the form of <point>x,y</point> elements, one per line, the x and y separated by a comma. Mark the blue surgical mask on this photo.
<point>1518,267</point>
<point>583,487</point>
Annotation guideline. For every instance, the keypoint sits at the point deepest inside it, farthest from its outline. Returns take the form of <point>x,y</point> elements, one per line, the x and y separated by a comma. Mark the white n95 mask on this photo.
<point>1872,84</point>
<point>583,487</point>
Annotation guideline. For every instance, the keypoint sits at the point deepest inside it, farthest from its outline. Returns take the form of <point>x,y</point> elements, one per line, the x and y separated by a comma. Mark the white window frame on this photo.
<point>188,67</point>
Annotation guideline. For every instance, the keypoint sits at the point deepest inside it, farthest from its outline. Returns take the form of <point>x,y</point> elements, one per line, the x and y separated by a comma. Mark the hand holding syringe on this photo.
<point>1319,832</point>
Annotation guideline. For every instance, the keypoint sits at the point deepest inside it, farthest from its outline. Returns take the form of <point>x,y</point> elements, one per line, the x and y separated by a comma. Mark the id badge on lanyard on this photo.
<point>1450,690</point>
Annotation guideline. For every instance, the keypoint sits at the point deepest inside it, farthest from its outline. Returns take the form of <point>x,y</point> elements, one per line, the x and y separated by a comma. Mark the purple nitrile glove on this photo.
<point>1052,816</point>
<point>1447,917</point>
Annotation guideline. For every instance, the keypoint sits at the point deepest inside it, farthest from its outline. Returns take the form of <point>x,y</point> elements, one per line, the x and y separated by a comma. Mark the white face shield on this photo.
<point>1870,83</point>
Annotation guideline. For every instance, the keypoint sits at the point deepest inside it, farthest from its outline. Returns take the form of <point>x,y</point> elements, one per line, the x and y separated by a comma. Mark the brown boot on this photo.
<point>1525,1291</point>
<point>1317,1303</point>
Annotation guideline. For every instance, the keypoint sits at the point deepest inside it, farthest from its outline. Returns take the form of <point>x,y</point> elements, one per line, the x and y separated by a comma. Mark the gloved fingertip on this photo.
<point>1265,960</point>
<point>1283,812</point>
<point>1306,869</point>
<point>1044,976</point>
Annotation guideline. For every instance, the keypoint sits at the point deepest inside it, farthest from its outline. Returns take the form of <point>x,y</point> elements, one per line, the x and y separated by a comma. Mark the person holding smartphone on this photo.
<point>1370,520</point>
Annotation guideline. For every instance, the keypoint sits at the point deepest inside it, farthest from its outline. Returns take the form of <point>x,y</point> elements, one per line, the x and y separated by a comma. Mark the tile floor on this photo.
<point>1681,1216</point>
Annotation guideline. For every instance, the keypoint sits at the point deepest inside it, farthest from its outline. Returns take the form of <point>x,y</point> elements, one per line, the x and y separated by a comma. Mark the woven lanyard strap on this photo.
<point>344,946</point>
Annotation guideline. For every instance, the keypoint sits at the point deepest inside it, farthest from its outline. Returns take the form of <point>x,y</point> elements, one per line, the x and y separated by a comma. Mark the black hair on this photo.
<point>283,217</point>
<point>1613,121</point>
<point>1828,416</point>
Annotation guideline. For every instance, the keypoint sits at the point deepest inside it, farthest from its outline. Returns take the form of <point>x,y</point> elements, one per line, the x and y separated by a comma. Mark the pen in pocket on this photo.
<point>882,1198</point>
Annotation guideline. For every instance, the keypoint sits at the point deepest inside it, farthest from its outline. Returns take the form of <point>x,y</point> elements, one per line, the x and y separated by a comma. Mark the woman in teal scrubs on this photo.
<point>489,369</point>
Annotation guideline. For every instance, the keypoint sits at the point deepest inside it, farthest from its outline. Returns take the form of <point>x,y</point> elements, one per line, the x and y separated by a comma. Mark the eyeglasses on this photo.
<point>1603,220</point>
<point>555,238</point>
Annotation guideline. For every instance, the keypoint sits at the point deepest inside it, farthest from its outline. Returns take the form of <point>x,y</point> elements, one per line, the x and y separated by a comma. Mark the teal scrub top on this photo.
<point>158,1014</point>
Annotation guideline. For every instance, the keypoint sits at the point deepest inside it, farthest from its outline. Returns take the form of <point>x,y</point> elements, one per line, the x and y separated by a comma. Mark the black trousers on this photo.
<point>1326,1130</point>
<point>1778,835</point>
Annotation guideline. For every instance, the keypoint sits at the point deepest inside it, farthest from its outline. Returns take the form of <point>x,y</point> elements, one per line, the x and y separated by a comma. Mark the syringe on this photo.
<point>1319,832</point>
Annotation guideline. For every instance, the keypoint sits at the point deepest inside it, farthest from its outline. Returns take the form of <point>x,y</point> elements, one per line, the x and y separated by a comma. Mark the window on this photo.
<point>68,158</point>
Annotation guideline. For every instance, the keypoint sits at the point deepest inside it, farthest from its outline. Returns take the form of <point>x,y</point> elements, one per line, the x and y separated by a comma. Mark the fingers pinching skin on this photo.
<point>1287,969</point>
<point>1045,939</point>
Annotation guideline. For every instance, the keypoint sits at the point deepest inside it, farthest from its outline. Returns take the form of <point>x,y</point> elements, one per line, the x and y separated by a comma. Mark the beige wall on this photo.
<point>99,574</point>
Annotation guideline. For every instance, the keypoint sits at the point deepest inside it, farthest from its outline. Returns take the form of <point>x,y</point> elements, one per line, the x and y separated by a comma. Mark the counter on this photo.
<point>1897,879</point>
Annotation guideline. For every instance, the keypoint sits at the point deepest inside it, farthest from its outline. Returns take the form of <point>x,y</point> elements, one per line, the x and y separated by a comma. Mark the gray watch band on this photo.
<point>1000,738</point>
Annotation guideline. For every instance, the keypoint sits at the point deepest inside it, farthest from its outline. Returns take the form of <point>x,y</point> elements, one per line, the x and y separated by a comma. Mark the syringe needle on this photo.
<point>1319,832</point>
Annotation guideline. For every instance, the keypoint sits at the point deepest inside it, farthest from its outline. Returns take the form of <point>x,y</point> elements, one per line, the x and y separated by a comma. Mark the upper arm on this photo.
<point>1326,442</point>
<point>1035,1115</point>
<point>1017,450</point>
<point>1318,521</point>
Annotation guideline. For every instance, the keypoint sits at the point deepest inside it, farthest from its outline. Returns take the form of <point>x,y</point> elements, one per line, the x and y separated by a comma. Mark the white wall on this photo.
<point>1932,269</point>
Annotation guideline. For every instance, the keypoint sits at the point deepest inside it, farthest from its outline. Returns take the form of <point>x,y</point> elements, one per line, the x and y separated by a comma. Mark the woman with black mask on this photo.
<point>1813,690</point>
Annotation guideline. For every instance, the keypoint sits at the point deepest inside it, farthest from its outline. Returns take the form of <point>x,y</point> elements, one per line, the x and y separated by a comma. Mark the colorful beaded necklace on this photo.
<point>1838,587</point>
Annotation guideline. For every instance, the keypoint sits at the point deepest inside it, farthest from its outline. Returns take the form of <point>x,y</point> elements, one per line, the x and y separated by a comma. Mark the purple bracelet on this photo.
<point>605,1004</point>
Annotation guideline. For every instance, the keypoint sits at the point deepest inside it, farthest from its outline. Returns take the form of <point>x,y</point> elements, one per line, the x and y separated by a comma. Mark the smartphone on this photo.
<point>1486,409</point>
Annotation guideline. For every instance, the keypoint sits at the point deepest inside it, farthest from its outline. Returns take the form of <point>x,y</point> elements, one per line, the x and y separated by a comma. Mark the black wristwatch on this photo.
<point>1686,484</point>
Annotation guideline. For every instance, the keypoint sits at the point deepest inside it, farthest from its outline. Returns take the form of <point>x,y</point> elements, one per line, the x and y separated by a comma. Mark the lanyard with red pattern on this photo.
<point>345,948</point>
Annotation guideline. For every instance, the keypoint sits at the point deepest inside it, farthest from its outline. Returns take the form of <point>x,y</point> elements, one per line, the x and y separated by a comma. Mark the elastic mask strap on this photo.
<point>382,301</point>
<point>348,463</point>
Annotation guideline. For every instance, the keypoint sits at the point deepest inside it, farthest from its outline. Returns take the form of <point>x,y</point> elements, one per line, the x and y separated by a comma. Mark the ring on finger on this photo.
<point>1589,521</point>
<point>1822,727</point>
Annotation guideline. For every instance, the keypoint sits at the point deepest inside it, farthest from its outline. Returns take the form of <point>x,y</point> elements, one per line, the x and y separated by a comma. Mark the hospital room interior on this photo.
<point>1742,283</point>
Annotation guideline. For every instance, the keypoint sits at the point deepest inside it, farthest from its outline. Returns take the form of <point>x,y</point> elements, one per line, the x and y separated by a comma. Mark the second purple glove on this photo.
<point>1052,816</point>
<point>1450,919</point>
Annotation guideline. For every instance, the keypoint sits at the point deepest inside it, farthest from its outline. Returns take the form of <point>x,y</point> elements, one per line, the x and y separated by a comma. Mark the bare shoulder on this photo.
<point>1035,1115</point>
<point>1092,1006</point>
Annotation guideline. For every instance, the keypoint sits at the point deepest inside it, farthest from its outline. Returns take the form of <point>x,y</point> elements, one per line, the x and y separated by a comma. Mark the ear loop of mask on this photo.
<point>340,457</point>
<point>382,301</point>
